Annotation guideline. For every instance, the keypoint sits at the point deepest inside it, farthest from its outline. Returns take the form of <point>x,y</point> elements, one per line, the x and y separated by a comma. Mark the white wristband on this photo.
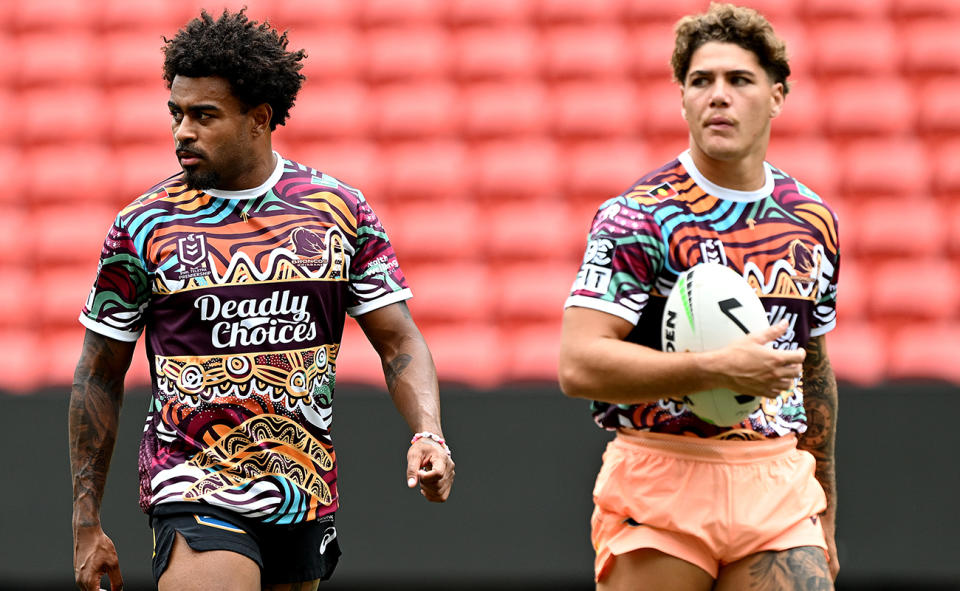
<point>433,437</point>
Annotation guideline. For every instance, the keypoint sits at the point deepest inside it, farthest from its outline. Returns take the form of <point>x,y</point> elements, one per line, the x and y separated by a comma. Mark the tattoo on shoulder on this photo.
<point>393,369</point>
<point>799,569</point>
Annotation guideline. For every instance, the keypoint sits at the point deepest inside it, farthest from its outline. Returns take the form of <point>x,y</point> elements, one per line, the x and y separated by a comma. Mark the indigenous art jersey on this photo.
<point>781,238</point>
<point>243,297</point>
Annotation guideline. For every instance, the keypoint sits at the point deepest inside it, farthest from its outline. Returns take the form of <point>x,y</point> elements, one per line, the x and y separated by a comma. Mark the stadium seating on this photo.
<point>486,134</point>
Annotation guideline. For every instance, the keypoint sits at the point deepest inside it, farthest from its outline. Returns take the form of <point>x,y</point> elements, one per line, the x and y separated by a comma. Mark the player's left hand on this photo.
<point>429,465</point>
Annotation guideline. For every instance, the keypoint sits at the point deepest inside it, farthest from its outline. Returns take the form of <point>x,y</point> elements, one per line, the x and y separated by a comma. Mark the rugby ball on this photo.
<point>710,306</point>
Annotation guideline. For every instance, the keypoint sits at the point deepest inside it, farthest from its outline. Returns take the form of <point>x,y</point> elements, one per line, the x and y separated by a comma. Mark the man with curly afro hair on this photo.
<point>240,270</point>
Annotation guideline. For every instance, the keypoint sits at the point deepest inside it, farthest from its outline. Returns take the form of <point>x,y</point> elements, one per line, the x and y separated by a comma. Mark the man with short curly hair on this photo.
<point>681,502</point>
<point>240,270</point>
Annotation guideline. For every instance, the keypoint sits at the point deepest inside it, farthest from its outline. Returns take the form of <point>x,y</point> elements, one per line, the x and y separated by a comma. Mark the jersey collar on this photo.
<point>722,192</point>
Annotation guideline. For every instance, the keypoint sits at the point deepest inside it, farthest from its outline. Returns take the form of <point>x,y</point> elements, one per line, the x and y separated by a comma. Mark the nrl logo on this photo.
<point>192,252</point>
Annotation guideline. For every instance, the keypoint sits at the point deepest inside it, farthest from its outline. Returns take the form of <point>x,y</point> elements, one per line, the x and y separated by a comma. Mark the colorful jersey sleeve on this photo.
<point>375,276</point>
<point>121,290</point>
<point>824,317</point>
<point>623,257</point>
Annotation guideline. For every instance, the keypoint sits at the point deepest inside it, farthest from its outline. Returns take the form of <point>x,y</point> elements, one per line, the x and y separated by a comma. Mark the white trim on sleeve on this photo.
<point>822,330</point>
<point>385,300</point>
<point>603,306</point>
<point>109,331</point>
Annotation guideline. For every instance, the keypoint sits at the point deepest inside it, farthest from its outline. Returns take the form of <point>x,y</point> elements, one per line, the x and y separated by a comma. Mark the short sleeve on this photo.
<point>624,254</point>
<point>375,276</point>
<point>121,291</point>
<point>825,310</point>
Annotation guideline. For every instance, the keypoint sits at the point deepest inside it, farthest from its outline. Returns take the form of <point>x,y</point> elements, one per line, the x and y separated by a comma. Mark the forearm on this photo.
<point>411,379</point>
<point>620,372</point>
<point>820,402</point>
<point>93,420</point>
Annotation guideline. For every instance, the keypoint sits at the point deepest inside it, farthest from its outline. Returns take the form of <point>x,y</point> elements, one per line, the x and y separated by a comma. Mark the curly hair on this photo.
<point>731,24</point>
<point>252,57</point>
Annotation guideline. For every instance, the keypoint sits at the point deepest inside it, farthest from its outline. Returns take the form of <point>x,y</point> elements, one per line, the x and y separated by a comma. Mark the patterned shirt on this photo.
<point>243,295</point>
<point>782,238</point>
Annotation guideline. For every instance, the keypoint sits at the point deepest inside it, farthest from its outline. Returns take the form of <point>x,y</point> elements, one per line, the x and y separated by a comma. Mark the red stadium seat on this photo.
<point>338,110</point>
<point>57,58</point>
<point>8,67</point>
<point>802,113</point>
<point>68,235</point>
<point>533,291</point>
<point>139,167</point>
<point>520,169</point>
<point>332,14</point>
<point>457,291</point>
<point>469,353</point>
<point>408,53</point>
<point>812,161</point>
<point>901,227</point>
<point>946,168</point>
<point>599,51</point>
<point>953,230</point>
<point>853,292</point>
<point>651,46</point>
<point>662,110</point>
<point>471,12</point>
<point>531,351</point>
<point>411,111</point>
<point>332,55</point>
<point>855,48</point>
<point>645,11</point>
<point>504,109</point>
<point>22,366</point>
<point>423,231</point>
<point>918,287</point>
<point>62,172</point>
<point>910,9</point>
<point>800,52</point>
<point>882,105</point>
<point>596,171</point>
<point>938,113</point>
<point>777,11</point>
<point>59,114</point>
<point>54,14</point>
<point>133,58</point>
<point>139,114</point>
<point>848,9</point>
<point>496,53</point>
<point>931,47</point>
<point>16,247</point>
<point>886,166</point>
<point>12,171</point>
<point>60,292</point>
<point>857,352</point>
<point>160,16</point>
<point>16,296</point>
<point>356,163</point>
<point>531,230</point>
<point>577,11</point>
<point>925,351</point>
<point>390,12</point>
<point>583,109</point>
<point>432,171</point>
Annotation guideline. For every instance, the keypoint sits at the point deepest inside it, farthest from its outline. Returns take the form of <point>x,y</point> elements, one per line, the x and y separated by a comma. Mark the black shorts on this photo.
<point>285,553</point>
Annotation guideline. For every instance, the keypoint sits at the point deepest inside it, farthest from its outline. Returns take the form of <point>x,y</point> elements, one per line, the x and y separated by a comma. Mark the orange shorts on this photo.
<point>707,501</point>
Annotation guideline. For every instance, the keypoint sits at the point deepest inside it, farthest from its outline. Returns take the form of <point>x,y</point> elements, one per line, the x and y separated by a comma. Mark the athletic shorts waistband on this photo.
<point>726,451</point>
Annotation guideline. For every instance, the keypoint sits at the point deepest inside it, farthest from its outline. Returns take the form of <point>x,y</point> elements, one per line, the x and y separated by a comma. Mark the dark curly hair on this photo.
<point>251,56</point>
<point>731,24</point>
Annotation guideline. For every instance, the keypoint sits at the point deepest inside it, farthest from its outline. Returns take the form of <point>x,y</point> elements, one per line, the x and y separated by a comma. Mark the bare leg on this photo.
<point>797,569</point>
<point>216,570</point>
<point>652,570</point>
<point>304,586</point>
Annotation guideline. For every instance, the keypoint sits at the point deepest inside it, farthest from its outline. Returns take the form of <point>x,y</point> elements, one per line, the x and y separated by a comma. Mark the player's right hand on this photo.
<point>94,555</point>
<point>750,367</point>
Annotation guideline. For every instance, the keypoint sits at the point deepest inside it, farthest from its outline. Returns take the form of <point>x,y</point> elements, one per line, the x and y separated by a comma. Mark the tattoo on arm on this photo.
<point>93,418</point>
<point>393,369</point>
<point>820,402</point>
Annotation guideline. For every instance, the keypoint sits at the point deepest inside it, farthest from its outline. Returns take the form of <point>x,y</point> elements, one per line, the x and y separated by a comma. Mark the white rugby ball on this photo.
<point>709,307</point>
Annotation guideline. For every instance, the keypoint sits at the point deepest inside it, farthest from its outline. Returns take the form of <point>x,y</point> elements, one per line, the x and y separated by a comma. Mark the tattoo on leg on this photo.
<point>799,569</point>
<point>395,368</point>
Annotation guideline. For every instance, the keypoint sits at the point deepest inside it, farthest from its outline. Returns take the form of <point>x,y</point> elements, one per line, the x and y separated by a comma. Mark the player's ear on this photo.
<point>777,96</point>
<point>683,105</point>
<point>261,116</point>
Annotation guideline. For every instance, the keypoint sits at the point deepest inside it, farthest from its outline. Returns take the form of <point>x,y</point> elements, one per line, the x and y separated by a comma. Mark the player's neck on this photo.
<point>745,173</point>
<point>261,166</point>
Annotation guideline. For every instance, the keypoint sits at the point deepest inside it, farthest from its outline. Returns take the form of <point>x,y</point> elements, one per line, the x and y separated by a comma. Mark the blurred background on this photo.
<point>485,133</point>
